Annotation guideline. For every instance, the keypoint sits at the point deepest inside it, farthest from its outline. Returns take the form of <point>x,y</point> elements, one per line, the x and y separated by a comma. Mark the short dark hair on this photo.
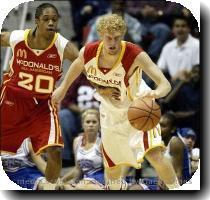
<point>171,117</point>
<point>41,7</point>
<point>182,17</point>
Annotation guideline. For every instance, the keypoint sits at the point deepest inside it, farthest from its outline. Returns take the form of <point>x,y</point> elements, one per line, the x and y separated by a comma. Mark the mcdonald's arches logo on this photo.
<point>22,53</point>
<point>91,70</point>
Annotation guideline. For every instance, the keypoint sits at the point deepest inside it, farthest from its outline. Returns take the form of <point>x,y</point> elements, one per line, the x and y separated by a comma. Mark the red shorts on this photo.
<point>23,117</point>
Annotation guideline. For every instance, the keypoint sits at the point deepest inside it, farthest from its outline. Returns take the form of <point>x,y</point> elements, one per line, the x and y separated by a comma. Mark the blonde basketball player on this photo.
<point>88,157</point>
<point>114,66</point>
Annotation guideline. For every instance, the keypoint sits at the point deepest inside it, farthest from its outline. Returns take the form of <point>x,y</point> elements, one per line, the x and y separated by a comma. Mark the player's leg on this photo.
<point>28,177</point>
<point>163,167</point>
<point>46,136</point>
<point>114,180</point>
<point>154,153</point>
<point>54,164</point>
<point>14,128</point>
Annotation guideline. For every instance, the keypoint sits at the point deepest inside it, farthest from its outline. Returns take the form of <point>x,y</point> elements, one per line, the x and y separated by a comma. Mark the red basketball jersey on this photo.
<point>34,72</point>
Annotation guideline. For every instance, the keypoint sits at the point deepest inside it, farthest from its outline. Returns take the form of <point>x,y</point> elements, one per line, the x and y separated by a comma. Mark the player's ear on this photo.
<point>100,36</point>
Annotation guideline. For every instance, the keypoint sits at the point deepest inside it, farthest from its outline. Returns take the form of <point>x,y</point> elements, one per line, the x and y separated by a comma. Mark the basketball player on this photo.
<point>25,168</point>
<point>180,152</point>
<point>88,156</point>
<point>114,67</point>
<point>25,101</point>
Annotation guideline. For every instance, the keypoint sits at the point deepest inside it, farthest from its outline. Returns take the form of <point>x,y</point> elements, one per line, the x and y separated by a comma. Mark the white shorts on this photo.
<point>123,144</point>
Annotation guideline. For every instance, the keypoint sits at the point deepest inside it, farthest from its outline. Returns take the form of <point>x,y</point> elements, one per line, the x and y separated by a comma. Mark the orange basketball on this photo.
<point>144,114</point>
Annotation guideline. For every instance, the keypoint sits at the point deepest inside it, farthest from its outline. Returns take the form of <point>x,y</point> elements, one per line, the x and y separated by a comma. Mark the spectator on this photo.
<point>88,173</point>
<point>184,100</point>
<point>82,12</point>
<point>182,53</point>
<point>134,26</point>
<point>155,33</point>
<point>78,98</point>
<point>168,126</point>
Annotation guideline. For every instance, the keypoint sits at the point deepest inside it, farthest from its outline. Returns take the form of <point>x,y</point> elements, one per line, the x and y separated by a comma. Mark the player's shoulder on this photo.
<point>77,142</point>
<point>78,139</point>
<point>61,37</point>
<point>17,35</point>
<point>132,46</point>
<point>90,50</point>
<point>61,41</point>
<point>132,50</point>
<point>19,32</point>
<point>92,45</point>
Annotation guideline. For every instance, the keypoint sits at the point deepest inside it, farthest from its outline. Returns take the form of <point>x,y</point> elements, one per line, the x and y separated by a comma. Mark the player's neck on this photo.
<point>36,40</point>
<point>91,138</point>
<point>90,141</point>
<point>106,54</point>
<point>181,41</point>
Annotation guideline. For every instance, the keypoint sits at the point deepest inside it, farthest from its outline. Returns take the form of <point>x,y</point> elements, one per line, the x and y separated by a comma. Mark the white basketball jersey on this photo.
<point>89,161</point>
<point>117,76</point>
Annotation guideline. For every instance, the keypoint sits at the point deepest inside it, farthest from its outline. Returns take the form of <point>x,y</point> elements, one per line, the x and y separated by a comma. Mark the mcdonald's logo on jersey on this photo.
<point>22,53</point>
<point>91,70</point>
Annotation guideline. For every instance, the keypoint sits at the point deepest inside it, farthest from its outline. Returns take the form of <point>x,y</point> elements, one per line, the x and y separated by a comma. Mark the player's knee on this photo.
<point>54,151</point>
<point>113,173</point>
<point>154,156</point>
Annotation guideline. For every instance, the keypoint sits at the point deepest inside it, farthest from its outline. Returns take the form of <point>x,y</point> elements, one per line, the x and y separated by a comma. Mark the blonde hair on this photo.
<point>111,23</point>
<point>90,111</point>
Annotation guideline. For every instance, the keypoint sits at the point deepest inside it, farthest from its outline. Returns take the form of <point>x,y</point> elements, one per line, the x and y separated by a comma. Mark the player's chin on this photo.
<point>112,51</point>
<point>50,32</point>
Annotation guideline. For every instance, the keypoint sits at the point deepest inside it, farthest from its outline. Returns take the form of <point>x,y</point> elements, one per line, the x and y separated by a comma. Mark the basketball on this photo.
<point>144,114</point>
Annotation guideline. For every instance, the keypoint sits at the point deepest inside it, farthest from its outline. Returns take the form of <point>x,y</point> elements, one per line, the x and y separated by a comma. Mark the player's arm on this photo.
<point>38,160</point>
<point>74,173</point>
<point>177,155</point>
<point>153,71</point>
<point>71,175</point>
<point>5,36</point>
<point>70,52</point>
<point>73,72</point>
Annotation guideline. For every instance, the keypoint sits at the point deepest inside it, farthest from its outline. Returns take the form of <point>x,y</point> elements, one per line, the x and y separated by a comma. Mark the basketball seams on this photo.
<point>139,118</point>
<point>145,103</point>
<point>146,111</point>
<point>144,114</point>
<point>146,121</point>
<point>149,106</point>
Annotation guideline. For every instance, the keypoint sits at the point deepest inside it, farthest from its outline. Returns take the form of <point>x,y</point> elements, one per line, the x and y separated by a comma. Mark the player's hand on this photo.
<point>48,186</point>
<point>148,94</point>
<point>111,93</point>
<point>57,96</point>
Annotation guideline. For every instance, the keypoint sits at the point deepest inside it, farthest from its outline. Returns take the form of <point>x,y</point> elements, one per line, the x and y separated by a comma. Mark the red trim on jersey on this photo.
<point>145,139</point>
<point>130,54</point>
<point>109,161</point>
<point>104,70</point>
<point>90,51</point>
